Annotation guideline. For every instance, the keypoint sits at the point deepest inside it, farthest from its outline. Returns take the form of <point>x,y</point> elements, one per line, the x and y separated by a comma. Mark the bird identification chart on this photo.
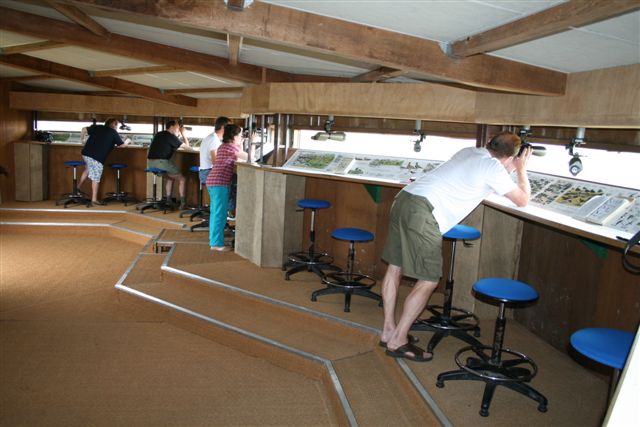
<point>392,169</point>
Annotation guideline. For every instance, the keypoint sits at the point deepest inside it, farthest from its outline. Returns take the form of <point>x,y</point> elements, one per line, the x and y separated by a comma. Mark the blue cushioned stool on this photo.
<point>310,260</point>
<point>76,196</point>
<point>154,202</point>
<point>494,364</point>
<point>610,347</point>
<point>348,282</point>
<point>118,195</point>
<point>447,320</point>
<point>199,210</point>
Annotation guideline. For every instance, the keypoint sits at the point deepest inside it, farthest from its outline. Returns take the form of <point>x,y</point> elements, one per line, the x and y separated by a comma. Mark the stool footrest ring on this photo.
<point>310,259</point>
<point>349,280</point>
<point>481,364</point>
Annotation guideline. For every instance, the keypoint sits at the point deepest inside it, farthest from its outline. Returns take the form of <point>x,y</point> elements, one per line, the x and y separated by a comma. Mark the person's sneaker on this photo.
<point>221,248</point>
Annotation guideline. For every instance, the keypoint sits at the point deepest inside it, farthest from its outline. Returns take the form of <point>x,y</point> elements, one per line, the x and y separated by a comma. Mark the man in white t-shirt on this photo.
<point>427,208</point>
<point>209,147</point>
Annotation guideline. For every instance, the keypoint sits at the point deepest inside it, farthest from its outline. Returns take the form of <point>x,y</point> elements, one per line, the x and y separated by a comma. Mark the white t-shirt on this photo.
<point>209,143</point>
<point>457,186</point>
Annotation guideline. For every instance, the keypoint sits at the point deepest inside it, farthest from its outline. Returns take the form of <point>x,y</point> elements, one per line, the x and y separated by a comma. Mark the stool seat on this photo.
<point>462,232</point>
<point>610,347</point>
<point>352,234</point>
<point>118,195</point>
<point>313,204</point>
<point>347,282</point>
<point>195,169</point>
<point>154,202</point>
<point>76,196</point>
<point>505,290</point>
<point>447,320</point>
<point>74,163</point>
<point>310,260</point>
<point>156,171</point>
<point>493,364</point>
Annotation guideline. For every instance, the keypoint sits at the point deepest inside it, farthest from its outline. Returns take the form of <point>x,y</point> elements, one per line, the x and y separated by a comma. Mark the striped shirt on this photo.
<point>222,170</point>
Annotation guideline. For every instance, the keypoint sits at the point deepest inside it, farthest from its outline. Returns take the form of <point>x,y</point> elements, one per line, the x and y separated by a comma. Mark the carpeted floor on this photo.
<point>73,353</point>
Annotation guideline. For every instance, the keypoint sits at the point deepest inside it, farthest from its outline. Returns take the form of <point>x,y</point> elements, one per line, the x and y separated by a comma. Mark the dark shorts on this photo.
<point>414,242</point>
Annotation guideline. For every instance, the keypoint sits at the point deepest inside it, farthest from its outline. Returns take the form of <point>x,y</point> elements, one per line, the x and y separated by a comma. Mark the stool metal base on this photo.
<point>78,198</point>
<point>158,205</point>
<point>458,323</point>
<point>202,224</point>
<point>121,196</point>
<point>311,262</point>
<point>507,372</point>
<point>348,284</point>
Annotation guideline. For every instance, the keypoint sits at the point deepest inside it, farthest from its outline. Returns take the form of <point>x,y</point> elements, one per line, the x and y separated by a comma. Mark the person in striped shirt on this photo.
<point>218,182</point>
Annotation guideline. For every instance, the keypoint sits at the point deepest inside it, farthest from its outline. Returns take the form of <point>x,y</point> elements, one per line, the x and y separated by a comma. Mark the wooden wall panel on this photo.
<point>606,98</point>
<point>581,284</point>
<point>14,125</point>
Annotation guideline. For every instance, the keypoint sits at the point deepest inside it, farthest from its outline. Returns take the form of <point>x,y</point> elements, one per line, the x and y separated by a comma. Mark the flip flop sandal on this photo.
<point>402,352</point>
<point>412,339</point>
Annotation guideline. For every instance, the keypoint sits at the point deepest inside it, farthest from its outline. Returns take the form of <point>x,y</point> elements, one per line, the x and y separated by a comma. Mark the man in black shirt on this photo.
<point>162,148</point>
<point>102,139</point>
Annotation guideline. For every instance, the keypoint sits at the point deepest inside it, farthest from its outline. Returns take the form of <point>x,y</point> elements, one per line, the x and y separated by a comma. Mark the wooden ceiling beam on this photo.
<point>134,71</point>
<point>79,75</point>
<point>28,78</point>
<point>574,13</point>
<point>188,60</point>
<point>79,17</point>
<point>30,47</point>
<point>377,75</point>
<point>234,43</point>
<point>290,27</point>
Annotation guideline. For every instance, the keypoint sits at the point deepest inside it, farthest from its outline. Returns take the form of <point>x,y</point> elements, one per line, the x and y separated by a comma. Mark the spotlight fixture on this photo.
<point>123,125</point>
<point>575,164</point>
<point>524,133</point>
<point>328,132</point>
<point>237,5</point>
<point>418,131</point>
<point>93,120</point>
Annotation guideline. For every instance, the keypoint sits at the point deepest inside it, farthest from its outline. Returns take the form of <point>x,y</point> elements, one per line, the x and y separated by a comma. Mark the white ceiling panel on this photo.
<point>436,20</point>
<point>573,51</point>
<point>625,28</point>
<point>34,9</point>
<point>7,71</point>
<point>207,45</point>
<point>179,80</point>
<point>7,38</point>
<point>297,64</point>
<point>212,95</point>
<point>88,59</point>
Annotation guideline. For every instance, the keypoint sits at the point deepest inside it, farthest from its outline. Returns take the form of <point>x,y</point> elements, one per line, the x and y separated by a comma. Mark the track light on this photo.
<point>123,125</point>
<point>328,132</point>
<point>575,164</point>
<point>418,131</point>
<point>524,133</point>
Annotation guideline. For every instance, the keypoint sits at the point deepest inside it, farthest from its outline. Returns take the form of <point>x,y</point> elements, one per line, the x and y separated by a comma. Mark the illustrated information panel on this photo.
<point>610,206</point>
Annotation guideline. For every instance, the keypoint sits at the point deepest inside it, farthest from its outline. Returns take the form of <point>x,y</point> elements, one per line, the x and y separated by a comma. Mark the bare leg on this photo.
<point>413,305</point>
<point>182,185</point>
<point>83,177</point>
<point>390,285</point>
<point>168,186</point>
<point>94,191</point>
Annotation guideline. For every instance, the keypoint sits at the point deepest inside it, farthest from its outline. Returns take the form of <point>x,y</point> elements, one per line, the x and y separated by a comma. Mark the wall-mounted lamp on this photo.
<point>328,132</point>
<point>536,150</point>
<point>418,131</point>
<point>575,164</point>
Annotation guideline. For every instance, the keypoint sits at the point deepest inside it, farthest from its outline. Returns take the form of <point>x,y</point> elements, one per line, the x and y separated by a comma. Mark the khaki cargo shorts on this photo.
<point>414,242</point>
<point>163,164</point>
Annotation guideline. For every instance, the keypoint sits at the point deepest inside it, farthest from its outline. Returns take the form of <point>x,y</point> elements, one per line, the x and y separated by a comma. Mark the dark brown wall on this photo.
<point>14,125</point>
<point>581,284</point>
